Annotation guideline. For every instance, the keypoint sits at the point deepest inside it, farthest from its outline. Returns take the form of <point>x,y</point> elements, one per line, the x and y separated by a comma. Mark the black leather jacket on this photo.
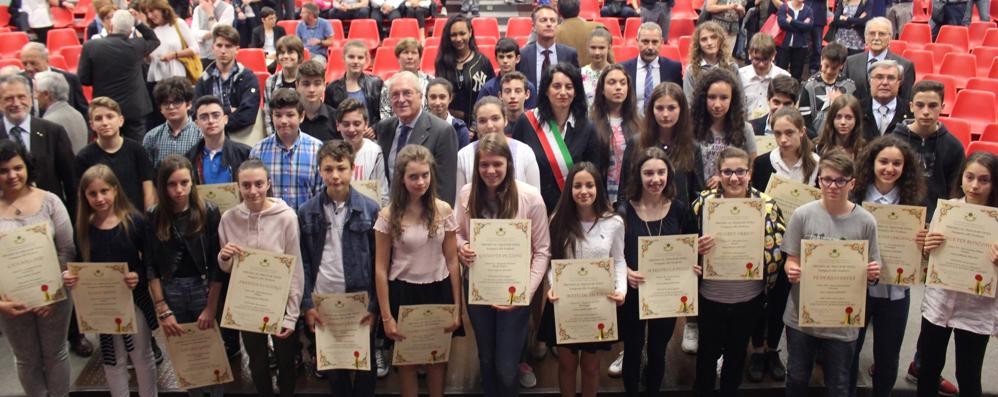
<point>336,92</point>
<point>161,257</point>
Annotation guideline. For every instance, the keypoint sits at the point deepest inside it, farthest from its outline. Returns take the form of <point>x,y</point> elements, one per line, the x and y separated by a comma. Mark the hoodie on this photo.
<point>274,229</point>
<point>940,154</point>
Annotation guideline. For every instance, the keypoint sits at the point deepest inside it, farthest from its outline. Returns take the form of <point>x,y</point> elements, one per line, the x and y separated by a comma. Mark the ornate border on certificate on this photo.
<point>840,284</point>
<point>485,287</point>
<point>267,324</point>
<point>670,288</point>
<point>963,263</point>
<point>419,354</point>
<point>37,262</point>
<point>896,269</point>
<point>602,330</point>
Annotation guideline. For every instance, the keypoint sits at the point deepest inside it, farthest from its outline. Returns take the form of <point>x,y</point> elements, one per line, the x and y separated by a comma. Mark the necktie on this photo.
<point>883,119</point>
<point>15,135</point>
<point>403,136</point>
<point>649,82</point>
<point>546,64</point>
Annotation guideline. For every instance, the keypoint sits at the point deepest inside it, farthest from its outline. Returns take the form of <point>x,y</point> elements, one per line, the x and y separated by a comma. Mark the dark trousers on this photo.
<point>419,13</point>
<point>816,36</point>
<point>500,336</point>
<point>624,11</point>
<point>970,347</point>
<point>951,14</point>
<point>793,60</point>
<point>134,128</point>
<point>769,327</point>
<point>381,17</point>
<point>888,319</point>
<point>836,359</point>
<point>285,10</point>
<point>360,13</point>
<point>723,332</point>
<point>285,349</point>
<point>230,337</point>
<point>349,383</point>
<point>633,334</point>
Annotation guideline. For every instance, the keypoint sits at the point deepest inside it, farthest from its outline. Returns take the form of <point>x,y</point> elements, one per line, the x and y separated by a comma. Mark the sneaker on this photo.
<point>81,347</point>
<point>775,364</point>
<point>157,353</point>
<point>946,388</point>
<point>690,338</point>
<point>527,378</point>
<point>617,366</point>
<point>757,367</point>
<point>720,364</point>
<point>379,361</point>
<point>314,370</point>
<point>539,351</point>
<point>271,358</point>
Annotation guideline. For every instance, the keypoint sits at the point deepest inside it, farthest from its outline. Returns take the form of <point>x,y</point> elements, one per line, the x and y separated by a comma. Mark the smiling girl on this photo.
<point>460,63</point>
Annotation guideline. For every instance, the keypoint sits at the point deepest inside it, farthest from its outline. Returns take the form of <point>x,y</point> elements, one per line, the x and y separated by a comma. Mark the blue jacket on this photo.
<point>357,244</point>
<point>492,88</point>
<point>797,31</point>
<point>244,95</point>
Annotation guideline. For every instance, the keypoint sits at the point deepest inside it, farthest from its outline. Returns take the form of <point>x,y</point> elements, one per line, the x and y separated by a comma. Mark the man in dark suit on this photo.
<point>113,66</point>
<point>878,33</point>
<point>649,69</point>
<point>35,58</point>
<point>544,53</point>
<point>413,125</point>
<point>258,38</point>
<point>884,109</point>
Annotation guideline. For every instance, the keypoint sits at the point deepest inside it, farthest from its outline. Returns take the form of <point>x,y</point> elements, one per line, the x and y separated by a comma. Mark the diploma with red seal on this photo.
<point>897,227</point>
<point>583,312</point>
<point>670,287</point>
<point>198,357</point>
<point>738,226</point>
<point>426,341</point>
<point>103,301</point>
<point>262,280</point>
<point>501,272</point>
<point>342,342</point>
<point>29,266</point>
<point>833,283</point>
<point>963,262</point>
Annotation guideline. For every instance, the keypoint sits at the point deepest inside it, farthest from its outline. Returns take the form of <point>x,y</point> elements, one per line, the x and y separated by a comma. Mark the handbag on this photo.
<point>192,65</point>
<point>772,28</point>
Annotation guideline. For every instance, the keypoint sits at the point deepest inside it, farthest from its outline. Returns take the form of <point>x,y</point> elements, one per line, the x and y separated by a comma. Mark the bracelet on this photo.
<point>165,315</point>
<point>159,301</point>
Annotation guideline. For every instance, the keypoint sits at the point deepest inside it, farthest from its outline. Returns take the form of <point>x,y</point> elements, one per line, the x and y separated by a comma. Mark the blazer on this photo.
<point>122,79</point>
<point>854,21</point>
<point>797,31</point>
<point>574,32</point>
<point>76,98</point>
<point>528,60</point>
<point>55,163</point>
<point>256,39</point>
<point>433,133</point>
<point>668,70</point>
<point>857,69</point>
<point>870,130</point>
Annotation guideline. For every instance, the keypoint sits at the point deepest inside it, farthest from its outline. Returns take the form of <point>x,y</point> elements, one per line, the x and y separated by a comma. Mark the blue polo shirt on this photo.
<point>322,30</point>
<point>212,168</point>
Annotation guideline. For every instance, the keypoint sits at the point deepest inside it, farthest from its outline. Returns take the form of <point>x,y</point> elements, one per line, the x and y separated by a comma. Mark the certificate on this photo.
<point>263,280</point>
<point>103,302</point>
<point>198,357</point>
<point>963,262</point>
<point>368,188</point>
<point>341,342</point>
<point>583,313</point>
<point>738,226</point>
<point>501,273</point>
<point>224,195</point>
<point>833,283</point>
<point>425,342</point>
<point>29,266</point>
<point>790,194</point>
<point>765,144</point>
<point>670,287</point>
<point>897,226</point>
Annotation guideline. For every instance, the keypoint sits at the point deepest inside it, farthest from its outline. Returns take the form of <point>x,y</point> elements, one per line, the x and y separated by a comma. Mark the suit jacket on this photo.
<point>121,79</point>
<point>668,70</point>
<point>574,32</point>
<point>256,40</point>
<point>870,130</point>
<point>857,69</point>
<point>75,123</point>
<point>433,133</point>
<point>528,60</point>
<point>76,98</point>
<point>54,160</point>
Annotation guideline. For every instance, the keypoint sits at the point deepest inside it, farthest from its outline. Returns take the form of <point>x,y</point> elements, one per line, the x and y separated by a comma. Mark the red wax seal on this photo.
<point>117,321</point>
<point>683,299</point>
<point>216,372</point>
<point>512,289</point>
<point>900,270</point>
<point>600,326</point>
<point>266,319</point>
<point>848,309</point>
<point>977,277</point>
<point>433,353</point>
<point>748,265</point>
<point>45,287</point>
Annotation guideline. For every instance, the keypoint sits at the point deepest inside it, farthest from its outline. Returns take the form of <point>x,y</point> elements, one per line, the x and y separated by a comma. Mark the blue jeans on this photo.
<point>983,8</point>
<point>500,336</point>
<point>889,319</point>
<point>836,356</point>
<point>187,297</point>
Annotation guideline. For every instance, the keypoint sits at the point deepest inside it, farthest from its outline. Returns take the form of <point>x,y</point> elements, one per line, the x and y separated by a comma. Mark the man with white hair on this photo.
<point>35,58</point>
<point>113,66</point>
<point>52,94</point>
<point>878,34</point>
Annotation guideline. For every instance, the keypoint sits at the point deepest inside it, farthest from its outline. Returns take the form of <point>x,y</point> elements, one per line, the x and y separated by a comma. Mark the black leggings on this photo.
<point>721,333</point>
<point>769,327</point>
<point>285,349</point>
<point>970,348</point>
<point>633,335</point>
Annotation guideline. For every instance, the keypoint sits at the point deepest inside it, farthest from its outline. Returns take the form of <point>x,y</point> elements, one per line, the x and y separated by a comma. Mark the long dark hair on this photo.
<point>10,149</point>
<point>734,120</point>
<point>578,107</point>
<point>986,160</point>
<point>565,227</point>
<point>682,150</point>
<point>400,195</point>
<point>507,197</point>
<point>599,112</point>
<point>162,219</point>
<point>911,185</point>
<point>446,64</point>
<point>829,136</point>
<point>635,187</point>
<point>805,150</point>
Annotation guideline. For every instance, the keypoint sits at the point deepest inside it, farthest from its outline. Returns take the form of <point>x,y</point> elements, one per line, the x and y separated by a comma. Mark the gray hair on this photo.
<point>15,79</point>
<point>122,22</point>
<point>53,83</point>
<point>36,47</point>
<point>650,26</point>
<point>883,20</point>
<point>405,75</point>
<point>886,64</point>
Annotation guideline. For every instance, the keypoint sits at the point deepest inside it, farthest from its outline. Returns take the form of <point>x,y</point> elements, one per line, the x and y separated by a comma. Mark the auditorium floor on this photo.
<point>88,376</point>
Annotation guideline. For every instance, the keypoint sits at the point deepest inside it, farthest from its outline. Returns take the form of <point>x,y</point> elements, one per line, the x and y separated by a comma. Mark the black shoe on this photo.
<point>757,367</point>
<point>271,358</point>
<point>157,354</point>
<point>314,370</point>
<point>776,368</point>
<point>233,354</point>
<point>81,347</point>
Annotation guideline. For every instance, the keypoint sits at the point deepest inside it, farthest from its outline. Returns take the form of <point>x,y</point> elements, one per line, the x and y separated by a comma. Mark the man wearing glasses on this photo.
<point>884,109</point>
<point>215,158</point>
<point>878,34</point>
<point>756,77</point>
<point>178,134</point>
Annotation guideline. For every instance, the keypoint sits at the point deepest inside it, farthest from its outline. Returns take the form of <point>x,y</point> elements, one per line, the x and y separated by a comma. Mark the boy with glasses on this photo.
<point>178,134</point>
<point>756,76</point>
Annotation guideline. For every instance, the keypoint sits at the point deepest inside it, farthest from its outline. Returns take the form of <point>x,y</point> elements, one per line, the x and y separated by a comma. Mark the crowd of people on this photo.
<point>595,153</point>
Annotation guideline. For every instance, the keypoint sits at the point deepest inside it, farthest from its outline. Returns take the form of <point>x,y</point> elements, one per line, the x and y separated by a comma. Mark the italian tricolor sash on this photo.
<point>555,149</point>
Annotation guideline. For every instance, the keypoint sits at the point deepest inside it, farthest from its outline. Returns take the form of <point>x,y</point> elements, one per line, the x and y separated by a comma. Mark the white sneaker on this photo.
<point>720,364</point>
<point>527,378</point>
<point>379,361</point>
<point>690,338</point>
<point>617,366</point>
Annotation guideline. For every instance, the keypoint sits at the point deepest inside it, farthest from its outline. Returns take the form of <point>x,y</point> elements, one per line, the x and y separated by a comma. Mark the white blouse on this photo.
<point>169,42</point>
<point>603,239</point>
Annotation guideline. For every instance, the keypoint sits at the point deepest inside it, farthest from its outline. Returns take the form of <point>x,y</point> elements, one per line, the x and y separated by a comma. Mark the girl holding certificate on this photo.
<point>614,114</point>
<point>109,230</point>
<point>843,127</point>
<point>268,224</point>
<point>180,258</point>
<point>970,318</point>
<point>890,174</point>
<point>583,227</point>
<point>652,209</point>
<point>494,193</point>
<point>416,255</point>
<point>36,336</point>
<point>726,305</point>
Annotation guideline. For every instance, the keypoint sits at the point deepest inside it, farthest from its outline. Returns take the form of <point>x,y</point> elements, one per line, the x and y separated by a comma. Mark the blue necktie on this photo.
<point>403,137</point>
<point>15,135</point>
<point>649,82</point>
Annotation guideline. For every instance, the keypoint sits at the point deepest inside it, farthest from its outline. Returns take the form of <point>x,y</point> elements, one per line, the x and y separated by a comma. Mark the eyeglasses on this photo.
<point>210,116</point>
<point>172,104</point>
<point>739,172</point>
<point>407,94</point>
<point>827,181</point>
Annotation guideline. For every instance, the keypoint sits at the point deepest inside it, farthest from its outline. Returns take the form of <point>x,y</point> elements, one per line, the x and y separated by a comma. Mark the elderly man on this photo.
<point>649,69</point>
<point>544,53</point>
<point>113,66</point>
<point>413,125</point>
<point>408,51</point>
<point>878,33</point>
<point>52,94</point>
<point>884,109</point>
<point>35,58</point>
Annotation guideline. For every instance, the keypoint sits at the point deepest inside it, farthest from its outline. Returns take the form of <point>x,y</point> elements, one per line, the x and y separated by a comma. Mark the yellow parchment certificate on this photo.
<point>224,195</point>
<point>583,313</point>
<point>501,273</point>
<point>765,144</point>
<point>963,262</point>
<point>368,188</point>
<point>103,302</point>
<point>790,194</point>
<point>29,266</point>
<point>342,342</point>
<point>897,226</point>
<point>425,342</point>
<point>262,280</point>
<point>670,287</point>
<point>738,226</point>
<point>198,357</point>
<point>833,283</point>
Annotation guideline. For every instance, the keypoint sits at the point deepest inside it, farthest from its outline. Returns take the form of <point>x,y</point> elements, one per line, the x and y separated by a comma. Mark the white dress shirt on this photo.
<point>639,79</point>
<point>540,60</point>
<point>884,291</point>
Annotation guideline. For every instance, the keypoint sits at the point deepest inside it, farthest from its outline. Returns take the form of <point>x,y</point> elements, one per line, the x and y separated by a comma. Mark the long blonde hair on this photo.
<point>121,208</point>
<point>724,59</point>
<point>400,195</point>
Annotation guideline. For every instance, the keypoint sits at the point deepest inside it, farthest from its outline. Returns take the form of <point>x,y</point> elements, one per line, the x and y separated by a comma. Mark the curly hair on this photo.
<point>911,184</point>
<point>734,119</point>
<point>696,53</point>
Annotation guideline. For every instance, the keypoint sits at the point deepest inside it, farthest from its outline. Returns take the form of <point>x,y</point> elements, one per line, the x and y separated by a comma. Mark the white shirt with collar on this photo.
<point>756,87</point>
<point>540,60</point>
<point>795,171</point>
<point>639,79</point>
<point>891,108</point>
<point>549,136</point>
<point>25,134</point>
<point>396,145</point>
<point>871,58</point>
<point>884,291</point>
